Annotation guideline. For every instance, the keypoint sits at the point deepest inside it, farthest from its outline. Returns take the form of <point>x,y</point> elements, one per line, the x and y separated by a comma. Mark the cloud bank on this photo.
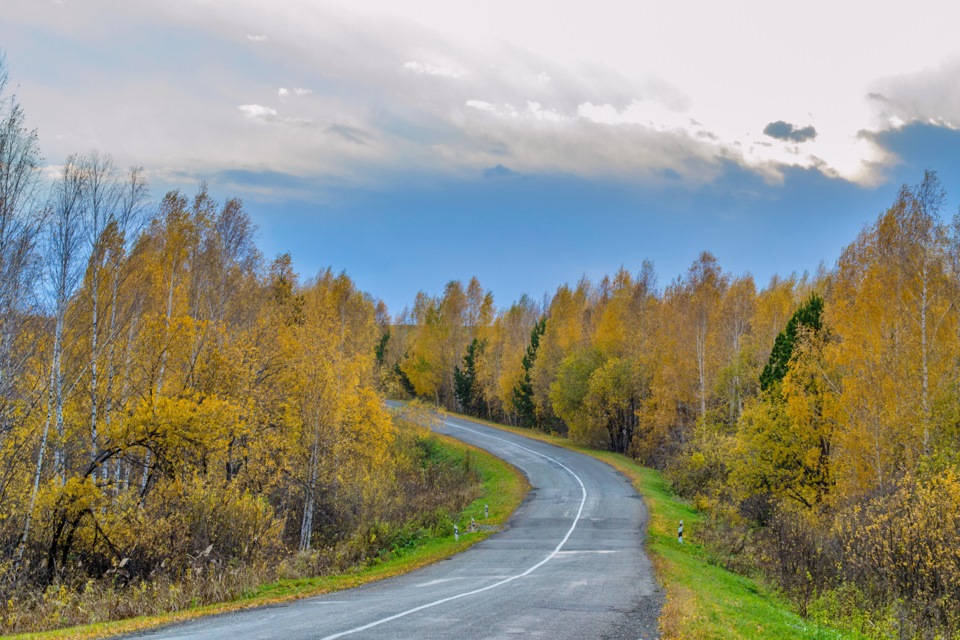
<point>646,94</point>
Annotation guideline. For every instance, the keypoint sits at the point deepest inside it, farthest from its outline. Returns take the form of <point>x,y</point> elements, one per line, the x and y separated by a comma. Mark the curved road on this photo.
<point>570,565</point>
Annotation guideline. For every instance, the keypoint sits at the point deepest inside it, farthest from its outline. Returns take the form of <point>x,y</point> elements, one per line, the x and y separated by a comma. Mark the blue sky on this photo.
<point>527,143</point>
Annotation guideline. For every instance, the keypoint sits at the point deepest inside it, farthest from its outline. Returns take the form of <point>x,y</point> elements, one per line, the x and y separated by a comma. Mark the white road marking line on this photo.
<point>437,581</point>
<point>553,554</point>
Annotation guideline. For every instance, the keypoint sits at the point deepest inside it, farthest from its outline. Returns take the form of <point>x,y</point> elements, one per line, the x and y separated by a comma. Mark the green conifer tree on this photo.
<point>808,315</point>
<point>465,385</point>
<point>523,392</point>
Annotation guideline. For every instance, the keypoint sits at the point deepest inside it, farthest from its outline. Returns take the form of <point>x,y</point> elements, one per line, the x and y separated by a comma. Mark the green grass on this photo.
<point>504,488</point>
<point>703,600</point>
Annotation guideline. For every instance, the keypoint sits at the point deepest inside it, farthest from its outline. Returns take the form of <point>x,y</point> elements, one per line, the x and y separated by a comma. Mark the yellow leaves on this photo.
<point>785,437</point>
<point>906,544</point>
<point>439,331</point>
<point>423,374</point>
<point>185,431</point>
<point>368,428</point>
<point>207,404</point>
<point>500,365</point>
<point>894,307</point>
<point>697,461</point>
<point>163,350</point>
<point>75,496</point>
<point>611,334</point>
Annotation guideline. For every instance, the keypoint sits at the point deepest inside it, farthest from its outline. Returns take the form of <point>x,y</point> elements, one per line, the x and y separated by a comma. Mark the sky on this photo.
<point>524,142</point>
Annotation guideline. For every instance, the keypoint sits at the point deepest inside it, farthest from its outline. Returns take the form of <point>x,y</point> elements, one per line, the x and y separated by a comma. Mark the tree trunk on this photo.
<point>309,498</point>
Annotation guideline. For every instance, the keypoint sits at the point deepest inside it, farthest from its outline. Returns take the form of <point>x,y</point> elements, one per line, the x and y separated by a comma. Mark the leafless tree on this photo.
<point>64,227</point>
<point>21,216</point>
<point>112,207</point>
<point>65,242</point>
<point>21,221</point>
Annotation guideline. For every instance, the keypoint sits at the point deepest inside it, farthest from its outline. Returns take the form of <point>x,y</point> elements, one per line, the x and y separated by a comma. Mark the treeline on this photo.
<point>817,419</point>
<point>180,419</point>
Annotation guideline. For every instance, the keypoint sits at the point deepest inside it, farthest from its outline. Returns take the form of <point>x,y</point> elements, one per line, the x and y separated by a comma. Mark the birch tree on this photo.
<point>21,216</point>
<point>21,219</point>
<point>65,243</point>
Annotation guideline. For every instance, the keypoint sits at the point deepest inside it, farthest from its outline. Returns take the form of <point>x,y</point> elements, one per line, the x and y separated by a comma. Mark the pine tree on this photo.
<point>523,392</point>
<point>808,315</point>
<point>408,387</point>
<point>380,349</point>
<point>465,385</point>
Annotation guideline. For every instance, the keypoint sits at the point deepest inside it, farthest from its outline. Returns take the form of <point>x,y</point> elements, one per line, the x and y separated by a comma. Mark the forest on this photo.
<point>182,420</point>
<point>816,419</point>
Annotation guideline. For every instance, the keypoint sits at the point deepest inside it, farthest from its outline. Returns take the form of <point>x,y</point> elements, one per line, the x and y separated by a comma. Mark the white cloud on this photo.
<point>481,105</point>
<point>52,172</point>
<point>643,112</point>
<point>505,110</point>
<point>257,111</point>
<point>544,114</point>
<point>283,92</point>
<point>261,113</point>
<point>429,69</point>
<point>256,38</point>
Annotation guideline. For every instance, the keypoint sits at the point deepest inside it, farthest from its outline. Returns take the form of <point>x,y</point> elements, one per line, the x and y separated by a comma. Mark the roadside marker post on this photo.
<point>680,533</point>
<point>486,511</point>
<point>456,533</point>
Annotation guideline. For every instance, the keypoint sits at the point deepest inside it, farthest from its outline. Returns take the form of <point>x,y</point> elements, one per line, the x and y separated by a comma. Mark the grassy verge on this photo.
<point>504,488</point>
<point>704,601</point>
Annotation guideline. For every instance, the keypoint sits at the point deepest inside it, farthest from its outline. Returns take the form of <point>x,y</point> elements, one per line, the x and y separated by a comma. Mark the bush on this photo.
<point>797,554</point>
<point>199,541</point>
<point>904,547</point>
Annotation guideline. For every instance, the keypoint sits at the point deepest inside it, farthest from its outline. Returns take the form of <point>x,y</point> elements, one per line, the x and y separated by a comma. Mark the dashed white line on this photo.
<point>553,554</point>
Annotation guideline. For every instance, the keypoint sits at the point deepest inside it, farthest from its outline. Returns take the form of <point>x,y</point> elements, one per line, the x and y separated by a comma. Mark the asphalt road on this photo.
<point>570,564</point>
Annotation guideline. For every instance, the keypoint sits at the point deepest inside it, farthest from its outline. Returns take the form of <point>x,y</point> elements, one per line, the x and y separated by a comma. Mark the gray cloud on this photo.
<point>351,134</point>
<point>788,132</point>
<point>931,96</point>
<point>499,171</point>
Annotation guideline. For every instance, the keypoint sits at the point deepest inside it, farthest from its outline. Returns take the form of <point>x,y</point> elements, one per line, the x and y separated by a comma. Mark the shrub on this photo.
<point>904,546</point>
